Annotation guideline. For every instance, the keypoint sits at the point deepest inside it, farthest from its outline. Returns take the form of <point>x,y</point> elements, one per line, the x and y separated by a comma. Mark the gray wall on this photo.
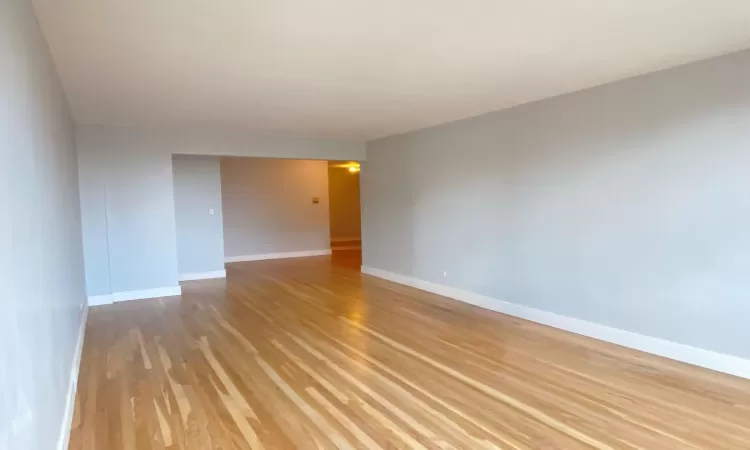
<point>343,192</point>
<point>127,195</point>
<point>257,144</point>
<point>129,181</point>
<point>626,204</point>
<point>92,179</point>
<point>268,206</point>
<point>200,235</point>
<point>41,262</point>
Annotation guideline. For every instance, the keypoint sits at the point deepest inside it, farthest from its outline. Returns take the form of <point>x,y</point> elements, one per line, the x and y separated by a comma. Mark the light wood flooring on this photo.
<point>306,353</point>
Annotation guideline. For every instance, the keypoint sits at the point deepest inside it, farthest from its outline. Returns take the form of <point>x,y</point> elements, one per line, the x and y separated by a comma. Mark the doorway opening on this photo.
<point>344,211</point>
<point>237,209</point>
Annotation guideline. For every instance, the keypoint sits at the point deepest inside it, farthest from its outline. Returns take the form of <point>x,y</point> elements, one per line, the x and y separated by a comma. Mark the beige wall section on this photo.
<point>268,206</point>
<point>343,189</point>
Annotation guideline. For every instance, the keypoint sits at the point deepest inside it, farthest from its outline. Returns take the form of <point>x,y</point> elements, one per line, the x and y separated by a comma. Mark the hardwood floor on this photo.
<point>303,353</point>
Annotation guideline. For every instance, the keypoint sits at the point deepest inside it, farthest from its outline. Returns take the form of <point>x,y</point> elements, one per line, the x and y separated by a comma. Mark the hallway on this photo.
<point>309,353</point>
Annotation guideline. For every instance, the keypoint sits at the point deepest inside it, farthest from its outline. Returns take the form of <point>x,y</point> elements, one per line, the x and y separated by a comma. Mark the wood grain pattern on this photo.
<point>308,353</point>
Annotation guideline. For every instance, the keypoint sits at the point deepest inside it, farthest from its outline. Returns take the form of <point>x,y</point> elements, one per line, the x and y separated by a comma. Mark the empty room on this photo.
<point>230,210</point>
<point>372,225</point>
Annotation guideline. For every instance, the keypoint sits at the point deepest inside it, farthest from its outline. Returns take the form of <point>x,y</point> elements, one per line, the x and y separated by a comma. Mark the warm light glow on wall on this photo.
<point>351,166</point>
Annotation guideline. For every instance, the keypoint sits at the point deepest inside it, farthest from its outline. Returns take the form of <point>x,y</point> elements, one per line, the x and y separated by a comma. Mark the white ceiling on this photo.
<point>362,68</point>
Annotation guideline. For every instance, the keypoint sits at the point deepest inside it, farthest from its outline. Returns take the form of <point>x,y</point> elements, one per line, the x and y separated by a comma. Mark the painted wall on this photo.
<point>92,182</point>
<point>139,243</point>
<point>343,192</point>
<point>200,235</point>
<point>41,261</point>
<point>626,205</point>
<point>127,195</point>
<point>268,206</point>
<point>258,144</point>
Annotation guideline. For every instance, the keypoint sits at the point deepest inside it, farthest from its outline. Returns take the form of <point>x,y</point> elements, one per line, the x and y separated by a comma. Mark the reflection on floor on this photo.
<point>309,353</point>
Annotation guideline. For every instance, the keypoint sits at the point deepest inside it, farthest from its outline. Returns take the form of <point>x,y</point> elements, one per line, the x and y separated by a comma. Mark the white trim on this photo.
<point>346,239</point>
<point>96,300</point>
<point>692,355</point>
<point>108,299</point>
<point>203,275</point>
<point>261,257</point>
<point>70,402</point>
<point>168,291</point>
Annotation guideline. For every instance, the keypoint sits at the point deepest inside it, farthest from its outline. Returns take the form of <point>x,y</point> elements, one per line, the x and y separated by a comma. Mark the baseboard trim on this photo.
<point>203,275</point>
<point>265,256</point>
<point>168,291</point>
<point>70,402</point>
<point>346,247</point>
<point>719,362</point>
<point>96,300</point>
<point>108,299</point>
<point>346,239</point>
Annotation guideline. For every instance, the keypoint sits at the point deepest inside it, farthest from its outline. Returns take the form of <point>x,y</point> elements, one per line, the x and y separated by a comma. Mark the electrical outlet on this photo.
<point>211,212</point>
<point>445,274</point>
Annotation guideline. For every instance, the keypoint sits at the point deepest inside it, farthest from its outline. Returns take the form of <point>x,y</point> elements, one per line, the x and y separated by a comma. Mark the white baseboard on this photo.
<point>346,239</point>
<point>70,402</point>
<point>264,256</point>
<point>108,299</point>
<point>720,362</point>
<point>168,291</point>
<point>96,300</point>
<point>203,275</point>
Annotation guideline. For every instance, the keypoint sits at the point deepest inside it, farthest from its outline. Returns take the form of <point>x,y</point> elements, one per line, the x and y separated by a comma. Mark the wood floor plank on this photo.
<point>309,353</point>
